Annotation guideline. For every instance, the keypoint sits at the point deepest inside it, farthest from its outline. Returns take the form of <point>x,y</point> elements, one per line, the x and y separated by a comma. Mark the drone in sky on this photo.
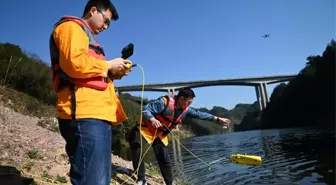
<point>267,35</point>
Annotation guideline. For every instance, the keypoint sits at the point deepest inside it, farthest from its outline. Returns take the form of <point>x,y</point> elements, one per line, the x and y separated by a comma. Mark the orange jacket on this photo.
<point>72,42</point>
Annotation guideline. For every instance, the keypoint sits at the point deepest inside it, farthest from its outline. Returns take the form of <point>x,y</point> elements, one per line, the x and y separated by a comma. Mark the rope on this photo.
<point>141,107</point>
<point>198,158</point>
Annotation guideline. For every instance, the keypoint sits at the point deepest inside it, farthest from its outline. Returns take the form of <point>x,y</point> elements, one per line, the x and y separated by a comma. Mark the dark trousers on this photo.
<point>88,145</point>
<point>160,151</point>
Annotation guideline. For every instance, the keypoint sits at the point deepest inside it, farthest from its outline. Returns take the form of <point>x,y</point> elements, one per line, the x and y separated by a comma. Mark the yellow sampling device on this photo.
<point>244,159</point>
<point>125,54</point>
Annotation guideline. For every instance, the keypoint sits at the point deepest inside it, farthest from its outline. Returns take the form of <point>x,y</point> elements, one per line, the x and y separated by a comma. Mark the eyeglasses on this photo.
<point>107,21</point>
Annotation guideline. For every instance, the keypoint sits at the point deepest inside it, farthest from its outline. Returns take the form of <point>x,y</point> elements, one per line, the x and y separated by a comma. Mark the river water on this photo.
<point>290,156</point>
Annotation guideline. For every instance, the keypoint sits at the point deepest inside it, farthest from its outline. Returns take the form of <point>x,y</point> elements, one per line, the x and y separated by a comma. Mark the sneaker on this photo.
<point>142,182</point>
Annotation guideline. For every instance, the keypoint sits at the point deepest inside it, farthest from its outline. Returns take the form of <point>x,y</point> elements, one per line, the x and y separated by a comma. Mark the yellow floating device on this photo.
<point>251,160</point>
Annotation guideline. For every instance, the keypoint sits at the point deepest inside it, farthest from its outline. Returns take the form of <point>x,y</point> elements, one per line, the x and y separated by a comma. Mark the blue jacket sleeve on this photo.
<point>200,115</point>
<point>153,107</point>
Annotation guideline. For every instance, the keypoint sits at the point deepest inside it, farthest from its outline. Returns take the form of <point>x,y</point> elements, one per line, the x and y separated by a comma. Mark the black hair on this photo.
<point>101,5</point>
<point>186,92</point>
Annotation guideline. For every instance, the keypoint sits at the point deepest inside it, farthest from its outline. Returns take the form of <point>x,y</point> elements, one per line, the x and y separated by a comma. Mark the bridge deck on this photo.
<point>249,81</point>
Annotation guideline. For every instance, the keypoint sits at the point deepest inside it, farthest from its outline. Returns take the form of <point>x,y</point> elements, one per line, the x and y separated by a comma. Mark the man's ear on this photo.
<point>92,11</point>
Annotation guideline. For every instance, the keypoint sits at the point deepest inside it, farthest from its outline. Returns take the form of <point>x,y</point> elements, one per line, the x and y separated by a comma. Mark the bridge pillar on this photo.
<point>262,95</point>
<point>117,92</point>
<point>266,92</point>
<point>171,91</point>
<point>258,93</point>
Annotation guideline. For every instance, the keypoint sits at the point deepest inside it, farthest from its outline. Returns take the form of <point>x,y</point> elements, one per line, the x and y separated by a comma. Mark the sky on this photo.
<point>191,40</point>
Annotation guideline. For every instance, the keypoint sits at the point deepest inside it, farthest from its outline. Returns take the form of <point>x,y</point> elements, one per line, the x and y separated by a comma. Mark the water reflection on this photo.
<point>290,156</point>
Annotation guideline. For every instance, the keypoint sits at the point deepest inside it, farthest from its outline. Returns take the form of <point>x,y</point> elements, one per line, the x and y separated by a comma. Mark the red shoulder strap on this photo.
<point>78,20</point>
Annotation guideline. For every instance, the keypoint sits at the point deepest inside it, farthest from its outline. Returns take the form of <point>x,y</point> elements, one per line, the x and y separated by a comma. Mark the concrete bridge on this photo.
<point>259,83</point>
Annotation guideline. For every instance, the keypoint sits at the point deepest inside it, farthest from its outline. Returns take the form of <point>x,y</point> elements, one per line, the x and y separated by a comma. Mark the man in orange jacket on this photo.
<point>87,104</point>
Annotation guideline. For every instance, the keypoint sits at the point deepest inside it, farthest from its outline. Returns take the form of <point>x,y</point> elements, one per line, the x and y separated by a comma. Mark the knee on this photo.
<point>165,161</point>
<point>131,136</point>
<point>135,148</point>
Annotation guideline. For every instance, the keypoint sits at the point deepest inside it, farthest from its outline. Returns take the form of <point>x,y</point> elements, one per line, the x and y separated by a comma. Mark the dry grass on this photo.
<point>25,104</point>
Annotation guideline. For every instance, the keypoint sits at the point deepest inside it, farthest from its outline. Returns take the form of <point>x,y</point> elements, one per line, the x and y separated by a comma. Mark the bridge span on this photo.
<point>259,83</point>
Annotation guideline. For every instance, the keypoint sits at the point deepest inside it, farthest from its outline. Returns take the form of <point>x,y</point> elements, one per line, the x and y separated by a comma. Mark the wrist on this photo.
<point>105,68</point>
<point>151,119</point>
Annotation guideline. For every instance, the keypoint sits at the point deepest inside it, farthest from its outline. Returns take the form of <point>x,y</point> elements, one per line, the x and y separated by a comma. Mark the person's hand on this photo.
<point>224,121</point>
<point>156,123</point>
<point>117,77</point>
<point>117,65</point>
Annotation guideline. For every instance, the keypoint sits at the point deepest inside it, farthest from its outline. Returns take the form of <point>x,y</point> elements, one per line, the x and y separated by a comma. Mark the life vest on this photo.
<point>166,117</point>
<point>61,79</point>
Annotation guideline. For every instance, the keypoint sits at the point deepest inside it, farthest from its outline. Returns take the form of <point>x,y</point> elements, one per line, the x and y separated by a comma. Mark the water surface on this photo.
<point>290,156</point>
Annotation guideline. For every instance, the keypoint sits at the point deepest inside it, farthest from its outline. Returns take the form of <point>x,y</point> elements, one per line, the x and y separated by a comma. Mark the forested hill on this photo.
<point>307,100</point>
<point>28,74</point>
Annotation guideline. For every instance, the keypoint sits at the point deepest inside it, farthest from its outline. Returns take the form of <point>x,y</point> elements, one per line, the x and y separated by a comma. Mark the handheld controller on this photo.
<point>126,52</point>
